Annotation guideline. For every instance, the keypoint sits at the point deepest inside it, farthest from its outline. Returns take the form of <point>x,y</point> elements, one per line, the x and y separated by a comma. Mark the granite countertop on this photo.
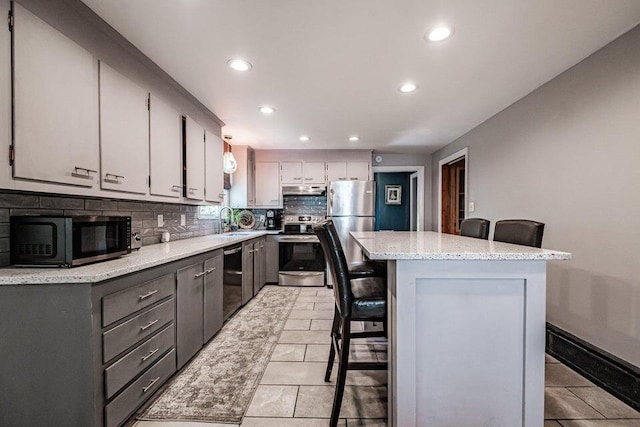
<point>429,245</point>
<point>146,257</point>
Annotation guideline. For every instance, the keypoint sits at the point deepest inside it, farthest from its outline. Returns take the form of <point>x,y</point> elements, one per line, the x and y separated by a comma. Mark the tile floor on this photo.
<point>292,392</point>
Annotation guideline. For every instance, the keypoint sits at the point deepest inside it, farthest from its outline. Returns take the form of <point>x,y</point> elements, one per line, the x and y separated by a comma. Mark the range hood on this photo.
<point>304,190</point>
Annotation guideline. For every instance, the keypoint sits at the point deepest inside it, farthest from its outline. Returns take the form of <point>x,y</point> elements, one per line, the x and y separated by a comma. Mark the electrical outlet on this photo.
<point>160,220</point>
<point>261,219</point>
<point>472,206</point>
<point>183,219</point>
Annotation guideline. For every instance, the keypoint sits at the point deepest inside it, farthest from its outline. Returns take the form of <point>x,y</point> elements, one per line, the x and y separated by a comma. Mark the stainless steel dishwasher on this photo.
<point>232,289</point>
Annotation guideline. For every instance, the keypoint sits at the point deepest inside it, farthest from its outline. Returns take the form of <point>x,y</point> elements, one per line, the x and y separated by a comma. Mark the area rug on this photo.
<point>219,383</point>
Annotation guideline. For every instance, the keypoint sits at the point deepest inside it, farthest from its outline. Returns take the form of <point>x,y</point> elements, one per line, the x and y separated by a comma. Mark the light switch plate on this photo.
<point>472,206</point>
<point>183,219</point>
<point>160,220</point>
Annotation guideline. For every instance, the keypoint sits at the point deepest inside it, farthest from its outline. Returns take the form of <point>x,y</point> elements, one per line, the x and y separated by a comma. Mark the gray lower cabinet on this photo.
<point>247,271</point>
<point>272,258</point>
<point>190,312</point>
<point>213,287</point>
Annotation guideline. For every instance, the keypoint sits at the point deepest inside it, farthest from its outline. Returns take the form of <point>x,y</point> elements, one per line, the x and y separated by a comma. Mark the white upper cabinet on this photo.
<point>358,171</point>
<point>214,148</point>
<point>56,105</point>
<point>5,83</point>
<point>165,149</point>
<point>336,171</point>
<point>195,160</point>
<point>342,171</point>
<point>268,184</point>
<point>313,172</point>
<point>291,172</point>
<point>124,133</point>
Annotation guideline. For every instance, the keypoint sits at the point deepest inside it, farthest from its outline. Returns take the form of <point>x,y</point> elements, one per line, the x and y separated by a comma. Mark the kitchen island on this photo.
<point>466,322</point>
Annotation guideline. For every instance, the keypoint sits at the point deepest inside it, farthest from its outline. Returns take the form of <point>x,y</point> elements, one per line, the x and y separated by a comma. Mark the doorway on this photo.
<point>393,201</point>
<point>413,192</point>
<point>453,175</point>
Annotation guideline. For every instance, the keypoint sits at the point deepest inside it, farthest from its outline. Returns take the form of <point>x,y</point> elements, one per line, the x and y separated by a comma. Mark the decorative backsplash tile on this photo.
<point>305,205</point>
<point>143,215</point>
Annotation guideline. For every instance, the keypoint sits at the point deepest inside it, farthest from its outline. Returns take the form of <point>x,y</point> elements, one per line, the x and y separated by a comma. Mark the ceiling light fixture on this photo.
<point>408,87</point>
<point>304,138</point>
<point>267,109</point>
<point>354,138</point>
<point>438,34</point>
<point>237,64</point>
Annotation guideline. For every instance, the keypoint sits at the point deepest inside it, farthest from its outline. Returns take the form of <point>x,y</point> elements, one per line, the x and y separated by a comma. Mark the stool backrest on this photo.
<point>520,232</point>
<point>338,266</point>
<point>475,227</point>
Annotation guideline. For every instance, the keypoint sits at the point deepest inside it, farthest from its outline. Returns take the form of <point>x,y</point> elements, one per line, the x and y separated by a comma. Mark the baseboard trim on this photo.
<point>609,372</point>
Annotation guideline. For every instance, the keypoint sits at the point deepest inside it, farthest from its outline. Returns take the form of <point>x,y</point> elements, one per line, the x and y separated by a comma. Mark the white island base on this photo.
<point>466,322</point>
<point>466,343</point>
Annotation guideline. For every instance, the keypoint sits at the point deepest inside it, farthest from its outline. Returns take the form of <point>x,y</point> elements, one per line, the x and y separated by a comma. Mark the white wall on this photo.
<point>568,154</point>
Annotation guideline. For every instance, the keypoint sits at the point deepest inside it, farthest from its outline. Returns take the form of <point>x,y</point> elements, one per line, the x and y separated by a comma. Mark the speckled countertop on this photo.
<point>146,257</point>
<point>397,245</point>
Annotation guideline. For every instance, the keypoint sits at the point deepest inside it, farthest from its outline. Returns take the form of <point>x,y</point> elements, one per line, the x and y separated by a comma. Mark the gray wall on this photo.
<point>568,154</point>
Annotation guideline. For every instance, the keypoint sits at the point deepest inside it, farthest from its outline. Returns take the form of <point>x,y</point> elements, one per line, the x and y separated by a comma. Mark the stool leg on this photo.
<point>335,329</point>
<point>342,372</point>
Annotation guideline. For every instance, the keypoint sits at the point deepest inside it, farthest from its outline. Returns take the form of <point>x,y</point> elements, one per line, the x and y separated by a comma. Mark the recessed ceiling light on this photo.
<point>354,138</point>
<point>239,64</point>
<point>408,87</point>
<point>438,34</point>
<point>267,109</point>
<point>304,138</point>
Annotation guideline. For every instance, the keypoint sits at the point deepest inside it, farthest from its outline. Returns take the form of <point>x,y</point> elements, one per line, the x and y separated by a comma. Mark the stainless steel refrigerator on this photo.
<point>351,206</point>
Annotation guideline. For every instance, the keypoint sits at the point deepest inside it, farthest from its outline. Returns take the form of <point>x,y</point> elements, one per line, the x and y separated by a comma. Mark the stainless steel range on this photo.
<point>301,258</point>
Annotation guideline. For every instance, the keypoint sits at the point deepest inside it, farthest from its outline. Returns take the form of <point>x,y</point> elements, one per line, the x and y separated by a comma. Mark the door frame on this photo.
<point>455,156</point>
<point>413,188</point>
<point>420,201</point>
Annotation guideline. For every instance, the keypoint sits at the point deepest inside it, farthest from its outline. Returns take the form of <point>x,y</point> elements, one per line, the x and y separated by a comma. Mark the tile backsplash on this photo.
<point>305,205</point>
<point>144,215</point>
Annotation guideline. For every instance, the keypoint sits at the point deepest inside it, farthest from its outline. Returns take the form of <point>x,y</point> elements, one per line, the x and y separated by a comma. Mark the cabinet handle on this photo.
<point>86,175</point>
<point>342,178</point>
<point>251,251</point>
<point>176,188</point>
<point>296,178</point>
<point>112,178</point>
<point>308,179</point>
<point>276,200</point>
<point>145,389</point>
<point>261,246</point>
<point>151,353</point>
<point>148,325</point>
<point>210,270</point>
<point>195,276</point>
<point>354,179</point>
<point>221,195</point>
<point>192,190</point>
<point>148,294</point>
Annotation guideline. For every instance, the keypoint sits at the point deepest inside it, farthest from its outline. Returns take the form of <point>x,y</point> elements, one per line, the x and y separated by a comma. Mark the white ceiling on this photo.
<point>332,68</point>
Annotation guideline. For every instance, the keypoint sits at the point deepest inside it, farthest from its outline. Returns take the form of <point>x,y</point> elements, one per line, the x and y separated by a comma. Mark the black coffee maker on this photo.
<point>274,219</point>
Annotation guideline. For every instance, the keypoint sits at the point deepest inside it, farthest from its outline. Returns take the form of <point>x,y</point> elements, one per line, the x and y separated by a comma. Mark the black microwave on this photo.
<point>68,241</point>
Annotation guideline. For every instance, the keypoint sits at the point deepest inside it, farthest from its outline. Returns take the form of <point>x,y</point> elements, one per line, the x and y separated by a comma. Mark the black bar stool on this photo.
<point>520,232</point>
<point>356,299</point>
<point>475,227</point>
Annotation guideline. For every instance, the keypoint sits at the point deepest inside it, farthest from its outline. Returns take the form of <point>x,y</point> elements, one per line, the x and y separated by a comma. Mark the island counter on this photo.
<point>466,322</point>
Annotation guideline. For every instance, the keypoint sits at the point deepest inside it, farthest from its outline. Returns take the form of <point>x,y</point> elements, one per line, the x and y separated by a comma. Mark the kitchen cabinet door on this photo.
<point>165,149</point>
<point>291,172</point>
<point>267,184</point>
<point>358,171</point>
<point>214,184</point>
<point>213,286</point>
<point>195,160</point>
<point>271,259</point>
<point>247,272</point>
<point>336,171</point>
<point>5,83</point>
<point>263,262</point>
<point>189,337</point>
<point>314,172</point>
<point>56,105</point>
<point>257,268</point>
<point>124,133</point>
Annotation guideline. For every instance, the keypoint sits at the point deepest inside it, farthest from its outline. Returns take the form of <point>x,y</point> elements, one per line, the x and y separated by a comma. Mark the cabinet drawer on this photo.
<point>143,356</point>
<point>128,401</point>
<point>121,304</point>
<point>123,336</point>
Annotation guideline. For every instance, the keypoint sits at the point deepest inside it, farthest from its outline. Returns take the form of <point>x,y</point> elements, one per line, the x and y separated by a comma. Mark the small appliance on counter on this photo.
<point>273,219</point>
<point>68,241</point>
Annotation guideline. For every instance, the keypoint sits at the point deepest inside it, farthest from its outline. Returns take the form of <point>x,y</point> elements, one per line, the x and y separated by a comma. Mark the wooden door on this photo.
<point>453,195</point>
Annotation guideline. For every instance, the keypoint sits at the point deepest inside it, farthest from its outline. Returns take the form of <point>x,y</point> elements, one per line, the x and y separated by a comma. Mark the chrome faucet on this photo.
<point>220,217</point>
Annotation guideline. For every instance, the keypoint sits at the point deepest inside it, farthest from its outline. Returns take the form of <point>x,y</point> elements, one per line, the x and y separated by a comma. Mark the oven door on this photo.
<point>97,238</point>
<point>301,262</point>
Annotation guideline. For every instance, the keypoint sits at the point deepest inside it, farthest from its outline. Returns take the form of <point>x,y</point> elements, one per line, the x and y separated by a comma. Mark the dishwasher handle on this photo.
<point>233,251</point>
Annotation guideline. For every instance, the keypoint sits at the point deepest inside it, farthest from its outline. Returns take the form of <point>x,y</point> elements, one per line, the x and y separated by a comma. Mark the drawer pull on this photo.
<point>210,270</point>
<point>176,188</point>
<point>147,295</point>
<point>195,276</point>
<point>155,380</point>
<point>151,353</point>
<point>148,325</point>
